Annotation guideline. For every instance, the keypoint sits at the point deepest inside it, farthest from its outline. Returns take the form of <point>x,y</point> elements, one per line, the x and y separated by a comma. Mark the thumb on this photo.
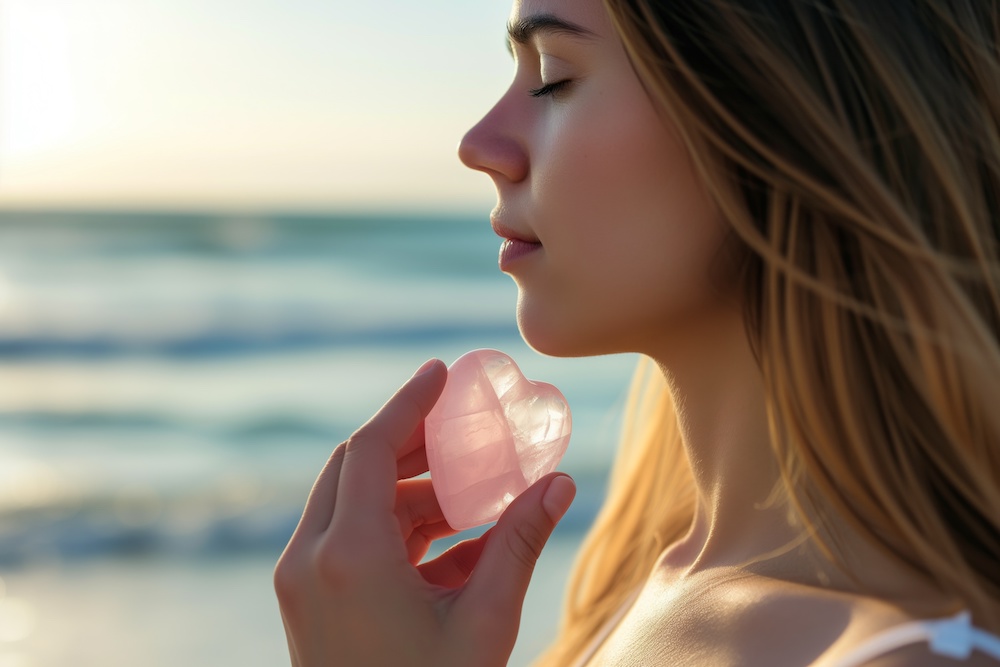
<point>497,586</point>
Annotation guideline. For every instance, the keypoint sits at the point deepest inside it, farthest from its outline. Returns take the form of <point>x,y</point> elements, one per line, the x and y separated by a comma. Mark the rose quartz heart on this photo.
<point>491,435</point>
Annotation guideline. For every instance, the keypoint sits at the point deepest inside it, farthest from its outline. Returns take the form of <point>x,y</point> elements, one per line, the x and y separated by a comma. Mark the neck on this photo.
<point>717,389</point>
<point>742,518</point>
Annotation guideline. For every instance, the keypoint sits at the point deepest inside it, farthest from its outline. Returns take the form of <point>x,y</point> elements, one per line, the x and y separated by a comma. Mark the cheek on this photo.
<point>629,236</point>
<point>632,211</point>
<point>616,168</point>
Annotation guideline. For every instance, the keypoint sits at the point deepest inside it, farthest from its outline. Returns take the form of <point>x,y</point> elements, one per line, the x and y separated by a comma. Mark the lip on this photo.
<point>513,251</point>
<point>516,245</point>
<point>505,232</point>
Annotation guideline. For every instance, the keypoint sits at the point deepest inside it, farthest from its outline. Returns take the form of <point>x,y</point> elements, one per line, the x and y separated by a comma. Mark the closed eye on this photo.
<point>549,88</point>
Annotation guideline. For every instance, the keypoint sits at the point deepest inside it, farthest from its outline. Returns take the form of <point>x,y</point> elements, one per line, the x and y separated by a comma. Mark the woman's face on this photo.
<point>611,235</point>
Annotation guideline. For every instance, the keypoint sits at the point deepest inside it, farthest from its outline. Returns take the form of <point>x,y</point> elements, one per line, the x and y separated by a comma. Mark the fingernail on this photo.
<point>558,497</point>
<point>426,367</point>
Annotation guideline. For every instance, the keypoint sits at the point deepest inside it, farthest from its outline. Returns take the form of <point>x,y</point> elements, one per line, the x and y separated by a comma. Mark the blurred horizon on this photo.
<point>254,105</point>
<point>142,209</point>
<point>170,385</point>
<point>229,229</point>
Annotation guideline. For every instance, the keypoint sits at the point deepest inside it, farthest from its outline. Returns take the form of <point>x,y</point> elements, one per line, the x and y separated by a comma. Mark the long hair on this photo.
<point>854,149</point>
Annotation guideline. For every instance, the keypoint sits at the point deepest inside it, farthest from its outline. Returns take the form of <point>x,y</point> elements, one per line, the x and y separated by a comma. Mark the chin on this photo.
<point>558,337</point>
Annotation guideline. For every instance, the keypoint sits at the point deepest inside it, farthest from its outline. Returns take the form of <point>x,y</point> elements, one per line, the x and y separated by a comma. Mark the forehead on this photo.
<point>587,13</point>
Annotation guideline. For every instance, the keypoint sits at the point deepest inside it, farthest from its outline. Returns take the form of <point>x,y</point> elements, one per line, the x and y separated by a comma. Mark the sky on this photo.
<point>246,104</point>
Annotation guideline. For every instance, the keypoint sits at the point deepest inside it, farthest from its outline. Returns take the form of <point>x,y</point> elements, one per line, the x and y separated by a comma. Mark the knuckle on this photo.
<point>287,579</point>
<point>525,543</point>
<point>335,567</point>
<point>352,444</point>
<point>338,452</point>
<point>404,408</point>
<point>463,559</point>
<point>300,572</point>
<point>331,471</point>
<point>353,447</point>
<point>410,408</point>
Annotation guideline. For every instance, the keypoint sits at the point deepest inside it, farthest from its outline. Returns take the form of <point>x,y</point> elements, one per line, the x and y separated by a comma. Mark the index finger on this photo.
<point>367,488</point>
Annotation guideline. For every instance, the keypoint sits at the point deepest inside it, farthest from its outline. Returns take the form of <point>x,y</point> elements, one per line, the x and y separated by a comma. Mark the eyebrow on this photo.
<point>522,30</point>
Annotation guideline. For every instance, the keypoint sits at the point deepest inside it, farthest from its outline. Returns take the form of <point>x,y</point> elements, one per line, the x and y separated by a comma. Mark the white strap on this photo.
<point>951,637</point>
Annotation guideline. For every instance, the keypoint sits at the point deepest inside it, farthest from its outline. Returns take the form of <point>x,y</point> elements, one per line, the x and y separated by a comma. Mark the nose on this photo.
<point>493,146</point>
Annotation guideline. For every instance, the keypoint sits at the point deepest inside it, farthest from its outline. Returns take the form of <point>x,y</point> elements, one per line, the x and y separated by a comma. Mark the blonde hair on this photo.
<point>854,149</point>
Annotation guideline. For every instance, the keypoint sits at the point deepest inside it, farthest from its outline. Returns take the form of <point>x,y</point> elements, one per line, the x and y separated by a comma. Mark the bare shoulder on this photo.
<point>758,621</point>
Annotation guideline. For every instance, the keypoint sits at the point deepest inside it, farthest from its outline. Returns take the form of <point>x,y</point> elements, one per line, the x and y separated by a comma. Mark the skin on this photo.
<point>624,257</point>
<point>375,603</point>
<point>615,272</point>
<point>629,257</point>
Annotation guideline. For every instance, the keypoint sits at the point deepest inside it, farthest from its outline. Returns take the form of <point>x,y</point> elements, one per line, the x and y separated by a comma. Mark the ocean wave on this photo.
<point>243,342</point>
<point>240,431</point>
<point>195,525</point>
<point>449,244</point>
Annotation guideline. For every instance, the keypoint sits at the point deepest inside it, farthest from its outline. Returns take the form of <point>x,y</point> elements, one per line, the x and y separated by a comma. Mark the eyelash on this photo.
<point>549,88</point>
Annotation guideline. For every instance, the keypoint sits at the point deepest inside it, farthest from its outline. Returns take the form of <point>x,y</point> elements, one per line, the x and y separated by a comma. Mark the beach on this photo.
<point>171,384</point>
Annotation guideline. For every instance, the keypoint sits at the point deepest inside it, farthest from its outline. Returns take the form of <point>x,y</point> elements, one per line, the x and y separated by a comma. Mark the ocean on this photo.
<point>172,383</point>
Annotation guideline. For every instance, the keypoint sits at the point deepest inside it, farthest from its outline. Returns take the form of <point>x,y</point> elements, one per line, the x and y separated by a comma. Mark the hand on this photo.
<point>350,584</point>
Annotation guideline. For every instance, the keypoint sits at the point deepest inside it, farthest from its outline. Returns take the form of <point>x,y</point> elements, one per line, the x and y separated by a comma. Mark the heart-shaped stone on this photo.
<point>491,435</point>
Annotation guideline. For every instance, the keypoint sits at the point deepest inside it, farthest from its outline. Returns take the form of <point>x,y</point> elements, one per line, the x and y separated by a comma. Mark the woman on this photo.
<point>791,208</point>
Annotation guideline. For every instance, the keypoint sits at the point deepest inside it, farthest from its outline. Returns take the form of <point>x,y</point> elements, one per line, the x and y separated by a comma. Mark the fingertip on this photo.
<point>558,497</point>
<point>431,376</point>
<point>426,367</point>
<point>427,383</point>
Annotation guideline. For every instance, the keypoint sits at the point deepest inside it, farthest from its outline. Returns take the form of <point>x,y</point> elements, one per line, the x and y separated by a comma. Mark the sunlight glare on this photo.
<point>38,103</point>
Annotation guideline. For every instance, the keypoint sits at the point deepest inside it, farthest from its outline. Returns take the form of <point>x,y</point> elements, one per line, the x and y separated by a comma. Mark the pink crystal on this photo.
<point>491,435</point>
